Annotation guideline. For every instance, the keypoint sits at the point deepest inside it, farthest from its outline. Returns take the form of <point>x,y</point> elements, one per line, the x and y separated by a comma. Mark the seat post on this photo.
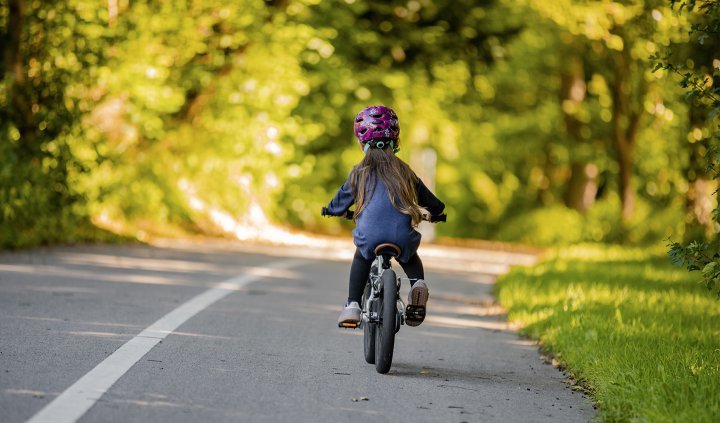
<point>387,251</point>
<point>386,261</point>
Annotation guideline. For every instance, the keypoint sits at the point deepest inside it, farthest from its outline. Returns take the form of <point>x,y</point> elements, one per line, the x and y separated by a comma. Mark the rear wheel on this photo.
<point>369,331</point>
<point>385,330</point>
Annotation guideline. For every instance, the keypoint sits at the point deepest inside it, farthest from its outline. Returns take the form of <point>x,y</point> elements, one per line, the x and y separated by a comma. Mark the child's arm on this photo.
<point>342,201</point>
<point>428,200</point>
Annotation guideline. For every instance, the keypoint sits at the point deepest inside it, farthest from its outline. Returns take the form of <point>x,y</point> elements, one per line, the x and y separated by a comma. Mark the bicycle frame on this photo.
<point>377,268</point>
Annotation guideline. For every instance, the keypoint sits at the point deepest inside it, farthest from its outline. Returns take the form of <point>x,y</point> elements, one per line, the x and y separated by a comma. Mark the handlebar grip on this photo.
<point>348,214</point>
<point>439,218</point>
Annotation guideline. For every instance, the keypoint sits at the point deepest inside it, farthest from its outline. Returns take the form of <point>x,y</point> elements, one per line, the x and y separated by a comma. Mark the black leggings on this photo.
<point>360,271</point>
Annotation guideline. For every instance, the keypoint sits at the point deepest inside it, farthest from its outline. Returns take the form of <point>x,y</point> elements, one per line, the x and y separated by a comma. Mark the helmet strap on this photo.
<point>370,144</point>
<point>366,148</point>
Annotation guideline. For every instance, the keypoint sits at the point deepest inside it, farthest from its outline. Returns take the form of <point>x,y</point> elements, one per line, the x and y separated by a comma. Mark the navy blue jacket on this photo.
<point>380,222</point>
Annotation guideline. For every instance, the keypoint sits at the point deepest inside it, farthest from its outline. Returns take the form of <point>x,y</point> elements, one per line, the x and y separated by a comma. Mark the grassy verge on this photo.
<point>641,336</point>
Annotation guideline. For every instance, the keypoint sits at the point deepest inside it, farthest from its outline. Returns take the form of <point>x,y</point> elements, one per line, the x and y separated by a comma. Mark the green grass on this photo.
<point>641,336</point>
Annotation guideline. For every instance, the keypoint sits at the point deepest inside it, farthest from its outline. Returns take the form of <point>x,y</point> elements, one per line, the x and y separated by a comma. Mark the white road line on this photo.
<point>76,400</point>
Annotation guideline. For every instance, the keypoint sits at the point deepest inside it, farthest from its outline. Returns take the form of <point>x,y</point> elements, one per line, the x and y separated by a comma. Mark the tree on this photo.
<point>582,186</point>
<point>702,84</point>
<point>617,34</point>
<point>45,64</point>
<point>158,115</point>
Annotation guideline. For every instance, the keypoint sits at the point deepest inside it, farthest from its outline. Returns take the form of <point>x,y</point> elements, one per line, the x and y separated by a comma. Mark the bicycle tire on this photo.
<point>385,330</point>
<point>368,332</point>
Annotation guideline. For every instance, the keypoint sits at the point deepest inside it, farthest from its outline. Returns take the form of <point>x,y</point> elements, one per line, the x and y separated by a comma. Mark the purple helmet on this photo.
<point>377,122</point>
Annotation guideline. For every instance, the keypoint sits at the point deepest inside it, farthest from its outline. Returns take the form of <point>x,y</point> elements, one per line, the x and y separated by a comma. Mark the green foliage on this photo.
<point>41,102</point>
<point>640,336</point>
<point>149,116</point>
<point>699,76</point>
<point>558,225</point>
<point>699,255</point>
<point>545,227</point>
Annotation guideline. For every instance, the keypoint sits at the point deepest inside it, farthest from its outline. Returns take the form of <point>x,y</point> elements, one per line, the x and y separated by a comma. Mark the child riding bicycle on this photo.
<point>388,199</point>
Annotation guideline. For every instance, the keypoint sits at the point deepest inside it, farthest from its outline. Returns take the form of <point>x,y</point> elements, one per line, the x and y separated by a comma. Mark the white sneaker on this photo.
<point>350,315</point>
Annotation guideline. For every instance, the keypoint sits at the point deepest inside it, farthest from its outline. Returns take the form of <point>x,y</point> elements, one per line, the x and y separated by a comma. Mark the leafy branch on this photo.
<point>700,85</point>
<point>700,255</point>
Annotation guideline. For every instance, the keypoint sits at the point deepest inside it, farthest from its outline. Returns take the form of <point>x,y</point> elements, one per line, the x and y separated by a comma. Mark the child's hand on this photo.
<point>438,218</point>
<point>347,215</point>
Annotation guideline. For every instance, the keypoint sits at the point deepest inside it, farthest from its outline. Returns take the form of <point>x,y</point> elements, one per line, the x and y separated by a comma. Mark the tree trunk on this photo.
<point>14,65</point>
<point>582,185</point>
<point>625,122</point>
<point>627,190</point>
<point>11,52</point>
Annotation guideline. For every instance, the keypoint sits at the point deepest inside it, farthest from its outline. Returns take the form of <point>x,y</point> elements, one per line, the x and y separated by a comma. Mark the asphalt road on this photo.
<point>255,339</point>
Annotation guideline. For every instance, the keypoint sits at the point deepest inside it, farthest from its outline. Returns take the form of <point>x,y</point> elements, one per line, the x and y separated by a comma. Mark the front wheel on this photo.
<point>369,330</point>
<point>385,329</point>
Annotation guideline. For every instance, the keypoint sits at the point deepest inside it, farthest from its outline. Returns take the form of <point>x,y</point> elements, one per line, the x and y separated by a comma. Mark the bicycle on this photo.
<point>383,311</point>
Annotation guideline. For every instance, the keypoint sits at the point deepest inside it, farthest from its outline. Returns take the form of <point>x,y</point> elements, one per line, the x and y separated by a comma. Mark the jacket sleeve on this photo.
<point>428,200</point>
<point>342,201</point>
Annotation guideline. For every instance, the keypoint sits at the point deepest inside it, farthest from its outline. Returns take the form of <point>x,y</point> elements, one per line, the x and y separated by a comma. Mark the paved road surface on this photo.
<point>260,345</point>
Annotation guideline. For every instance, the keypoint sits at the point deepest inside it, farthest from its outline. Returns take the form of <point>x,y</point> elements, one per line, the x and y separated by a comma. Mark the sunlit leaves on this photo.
<point>700,81</point>
<point>140,109</point>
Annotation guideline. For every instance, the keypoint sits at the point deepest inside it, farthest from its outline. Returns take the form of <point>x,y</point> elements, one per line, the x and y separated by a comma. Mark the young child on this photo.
<point>388,197</point>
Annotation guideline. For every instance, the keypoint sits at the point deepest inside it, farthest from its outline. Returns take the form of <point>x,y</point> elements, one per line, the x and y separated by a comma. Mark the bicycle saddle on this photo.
<point>387,249</point>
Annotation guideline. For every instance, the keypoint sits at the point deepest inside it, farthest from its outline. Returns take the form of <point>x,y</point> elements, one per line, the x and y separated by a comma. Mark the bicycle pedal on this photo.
<point>414,313</point>
<point>349,325</point>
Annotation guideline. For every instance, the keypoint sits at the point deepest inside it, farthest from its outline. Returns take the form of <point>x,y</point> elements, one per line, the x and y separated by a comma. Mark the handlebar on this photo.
<point>349,214</point>
<point>442,217</point>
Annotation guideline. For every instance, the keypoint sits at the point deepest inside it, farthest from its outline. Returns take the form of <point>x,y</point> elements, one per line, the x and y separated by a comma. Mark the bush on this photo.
<point>544,227</point>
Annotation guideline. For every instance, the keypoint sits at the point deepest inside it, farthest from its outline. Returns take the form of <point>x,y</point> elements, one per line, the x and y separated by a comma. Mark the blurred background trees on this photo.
<point>543,122</point>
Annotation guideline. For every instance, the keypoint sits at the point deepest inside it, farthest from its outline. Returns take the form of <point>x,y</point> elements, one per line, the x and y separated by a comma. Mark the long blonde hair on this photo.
<point>394,173</point>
